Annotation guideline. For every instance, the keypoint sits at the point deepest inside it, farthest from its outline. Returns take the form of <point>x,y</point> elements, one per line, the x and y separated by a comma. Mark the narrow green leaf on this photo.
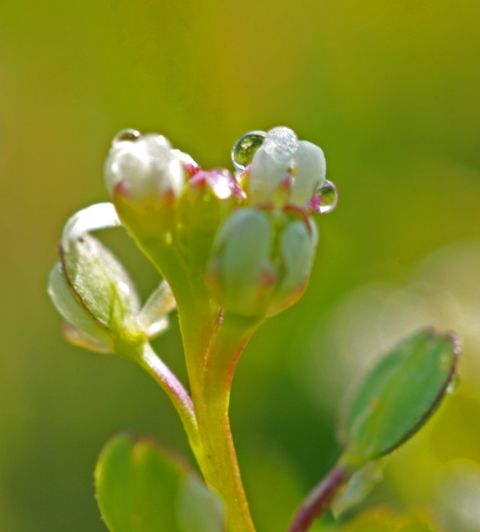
<point>399,395</point>
<point>142,488</point>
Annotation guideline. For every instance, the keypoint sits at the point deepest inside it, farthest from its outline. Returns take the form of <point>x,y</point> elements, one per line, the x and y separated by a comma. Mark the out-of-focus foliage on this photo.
<point>388,89</point>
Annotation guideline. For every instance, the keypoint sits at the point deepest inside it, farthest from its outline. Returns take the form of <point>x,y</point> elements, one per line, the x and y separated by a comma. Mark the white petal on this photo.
<point>310,171</point>
<point>271,163</point>
<point>98,216</point>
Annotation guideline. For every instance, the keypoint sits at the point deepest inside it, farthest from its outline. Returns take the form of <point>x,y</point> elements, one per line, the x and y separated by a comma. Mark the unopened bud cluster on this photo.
<point>255,224</point>
<point>246,237</point>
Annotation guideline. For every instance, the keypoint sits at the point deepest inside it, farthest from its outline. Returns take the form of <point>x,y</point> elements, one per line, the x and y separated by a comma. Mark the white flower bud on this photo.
<point>309,172</point>
<point>271,163</point>
<point>144,167</point>
<point>285,170</point>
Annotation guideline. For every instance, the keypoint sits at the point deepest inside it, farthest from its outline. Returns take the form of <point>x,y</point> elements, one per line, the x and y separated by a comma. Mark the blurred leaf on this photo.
<point>141,488</point>
<point>357,488</point>
<point>200,510</point>
<point>400,394</point>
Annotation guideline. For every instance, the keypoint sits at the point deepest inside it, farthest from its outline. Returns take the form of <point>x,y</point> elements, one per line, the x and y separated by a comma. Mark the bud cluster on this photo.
<point>246,236</point>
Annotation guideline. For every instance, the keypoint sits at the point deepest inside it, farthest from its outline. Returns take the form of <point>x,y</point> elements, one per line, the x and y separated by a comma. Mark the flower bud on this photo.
<point>240,273</point>
<point>93,292</point>
<point>285,170</point>
<point>298,242</point>
<point>309,172</point>
<point>144,167</point>
<point>80,328</point>
<point>261,261</point>
<point>271,164</point>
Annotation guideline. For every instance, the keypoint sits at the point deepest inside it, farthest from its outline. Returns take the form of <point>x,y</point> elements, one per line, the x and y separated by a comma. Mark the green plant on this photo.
<point>234,250</point>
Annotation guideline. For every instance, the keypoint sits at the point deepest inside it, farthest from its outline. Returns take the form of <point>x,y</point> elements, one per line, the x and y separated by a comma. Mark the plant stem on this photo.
<point>168,381</point>
<point>318,499</point>
<point>216,454</point>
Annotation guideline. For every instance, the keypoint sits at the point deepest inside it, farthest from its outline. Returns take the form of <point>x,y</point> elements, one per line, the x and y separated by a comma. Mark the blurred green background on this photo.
<point>390,90</point>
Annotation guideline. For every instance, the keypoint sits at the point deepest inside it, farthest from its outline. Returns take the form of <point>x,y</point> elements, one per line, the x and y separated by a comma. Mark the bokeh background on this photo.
<point>390,90</point>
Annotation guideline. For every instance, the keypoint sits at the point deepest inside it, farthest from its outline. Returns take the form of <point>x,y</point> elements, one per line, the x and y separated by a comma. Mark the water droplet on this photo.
<point>245,148</point>
<point>281,143</point>
<point>453,384</point>
<point>127,135</point>
<point>328,195</point>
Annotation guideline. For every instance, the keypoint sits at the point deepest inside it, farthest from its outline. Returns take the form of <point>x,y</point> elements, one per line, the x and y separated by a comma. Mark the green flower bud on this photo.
<point>241,275</point>
<point>261,261</point>
<point>298,242</point>
<point>93,292</point>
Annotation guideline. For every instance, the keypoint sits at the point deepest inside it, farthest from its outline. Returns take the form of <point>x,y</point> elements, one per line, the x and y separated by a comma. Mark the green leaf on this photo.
<point>399,395</point>
<point>200,510</point>
<point>142,488</point>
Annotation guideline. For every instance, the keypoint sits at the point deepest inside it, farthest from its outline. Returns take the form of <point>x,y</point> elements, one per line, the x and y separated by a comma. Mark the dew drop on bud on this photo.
<point>328,197</point>
<point>245,148</point>
<point>127,135</point>
<point>281,143</point>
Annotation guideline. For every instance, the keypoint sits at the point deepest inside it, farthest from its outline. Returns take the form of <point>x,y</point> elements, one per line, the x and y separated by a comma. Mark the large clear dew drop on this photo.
<point>245,148</point>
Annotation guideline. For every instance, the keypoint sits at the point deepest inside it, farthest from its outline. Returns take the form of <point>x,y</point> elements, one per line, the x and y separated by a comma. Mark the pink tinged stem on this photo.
<point>318,500</point>
<point>175,390</point>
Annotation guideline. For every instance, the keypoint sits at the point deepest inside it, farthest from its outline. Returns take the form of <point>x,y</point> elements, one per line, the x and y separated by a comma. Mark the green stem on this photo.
<point>217,458</point>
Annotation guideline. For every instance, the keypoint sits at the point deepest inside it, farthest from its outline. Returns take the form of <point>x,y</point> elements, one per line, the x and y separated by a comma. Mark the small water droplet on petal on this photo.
<point>127,135</point>
<point>328,197</point>
<point>245,148</point>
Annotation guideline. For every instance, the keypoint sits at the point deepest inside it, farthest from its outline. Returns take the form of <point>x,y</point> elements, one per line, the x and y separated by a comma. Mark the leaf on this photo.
<point>200,510</point>
<point>399,395</point>
<point>357,488</point>
<point>142,488</point>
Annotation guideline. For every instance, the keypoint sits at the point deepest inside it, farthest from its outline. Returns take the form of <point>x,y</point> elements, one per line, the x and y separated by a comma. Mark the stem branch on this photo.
<point>318,499</point>
<point>168,381</point>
